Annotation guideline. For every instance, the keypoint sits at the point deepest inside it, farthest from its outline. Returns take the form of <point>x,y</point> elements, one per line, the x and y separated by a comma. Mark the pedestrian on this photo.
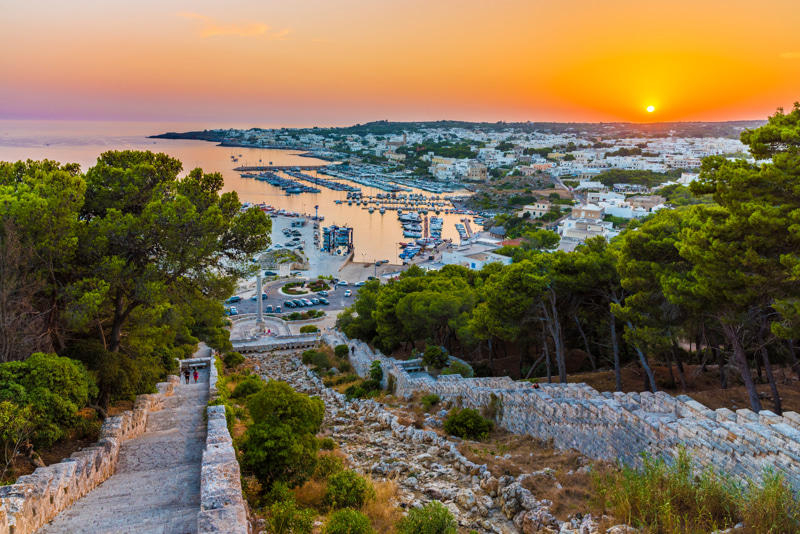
<point>186,374</point>
<point>196,376</point>
<point>353,349</point>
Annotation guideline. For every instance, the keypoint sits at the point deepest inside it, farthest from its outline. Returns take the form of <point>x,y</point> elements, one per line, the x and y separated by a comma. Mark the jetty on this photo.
<point>267,168</point>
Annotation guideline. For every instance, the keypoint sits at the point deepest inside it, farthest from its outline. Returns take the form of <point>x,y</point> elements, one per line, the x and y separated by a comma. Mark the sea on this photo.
<point>375,236</point>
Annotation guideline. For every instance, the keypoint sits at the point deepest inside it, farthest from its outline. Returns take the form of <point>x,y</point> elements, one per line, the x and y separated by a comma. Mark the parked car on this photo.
<point>315,301</point>
<point>347,293</point>
<point>299,303</point>
<point>296,273</point>
<point>324,301</point>
<point>369,278</point>
<point>323,293</point>
<point>255,297</point>
<point>289,304</point>
<point>269,309</point>
<point>307,302</point>
<point>234,311</point>
<point>360,284</point>
<point>235,298</point>
<point>277,309</point>
<point>342,283</point>
<point>270,273</point>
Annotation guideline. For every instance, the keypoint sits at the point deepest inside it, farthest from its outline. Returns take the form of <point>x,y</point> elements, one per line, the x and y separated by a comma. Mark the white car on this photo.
<point>342,283</point>
<point>347,293</point>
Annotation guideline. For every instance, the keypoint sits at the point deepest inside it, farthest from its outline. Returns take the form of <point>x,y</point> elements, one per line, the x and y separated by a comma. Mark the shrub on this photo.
<point>294,316</point>
<point>375,371</point>
<point>327,444</point>
<point>434,357</point>
<point>55,387</point>
<point>467,423</point>
<point>348,489</point>
<point>280,445</point>
<point>459,368</point>
<point>308,329</point>
<point>279,492</point>
<point>347,522</point>
<point>341,351</point>
<point>247,387</point>
<point>320,359</point>
<point>307,355</point>
<point>285,518</point>
<point>433,518</point>
<point>345,367</point>
<point>232,359</point>
<point>362,390</point>
<point>428,401</point>
<point>327,465</point>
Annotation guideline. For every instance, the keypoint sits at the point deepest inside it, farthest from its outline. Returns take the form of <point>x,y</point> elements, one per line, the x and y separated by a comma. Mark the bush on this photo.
<point>341,351</point>
<point>307,355</point>
<point>362,390</point>
<point>232,359</point>
<point>320,359</point>
<point>308,329</point>
<point>327,444</point>
<point>294,316</point>
<point>433,518</point>
<point>348,489</point>
<point>285,518</point>
<point>467,423</point>
<point>428,401</point>
<point>279,492</point>
<point>347,522</point>
<point>434,357</point>
<point>55,387</point>
<point>247,387</point>
<point>458,368</point>
<point>345,367</point>
<point>375,371</point>
<point>280,445</point>
<point>327,465</point>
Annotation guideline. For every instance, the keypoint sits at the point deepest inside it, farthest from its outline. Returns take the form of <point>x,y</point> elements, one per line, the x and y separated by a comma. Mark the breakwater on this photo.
<point>609,426</point>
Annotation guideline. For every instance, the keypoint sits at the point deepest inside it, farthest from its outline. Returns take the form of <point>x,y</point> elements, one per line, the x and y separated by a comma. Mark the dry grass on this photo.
<point>383,511</point>
<point>310,494</point>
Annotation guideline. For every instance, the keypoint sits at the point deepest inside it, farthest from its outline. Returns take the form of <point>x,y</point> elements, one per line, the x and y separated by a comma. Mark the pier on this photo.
<point>263,168</point>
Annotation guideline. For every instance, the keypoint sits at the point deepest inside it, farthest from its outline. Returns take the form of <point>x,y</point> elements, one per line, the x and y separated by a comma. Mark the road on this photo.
<point>274,298</point>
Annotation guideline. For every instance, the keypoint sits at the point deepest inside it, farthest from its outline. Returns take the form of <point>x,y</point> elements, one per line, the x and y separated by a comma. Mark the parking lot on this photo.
<point>274,298</point>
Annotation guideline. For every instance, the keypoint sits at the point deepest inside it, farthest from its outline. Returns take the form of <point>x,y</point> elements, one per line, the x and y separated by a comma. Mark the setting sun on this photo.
<point>651,109</point>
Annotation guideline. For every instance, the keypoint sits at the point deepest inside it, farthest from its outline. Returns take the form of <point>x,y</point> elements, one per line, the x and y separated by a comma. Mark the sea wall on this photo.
<point>35,499</point>
<point>222,506</point>
<point>611,426</point>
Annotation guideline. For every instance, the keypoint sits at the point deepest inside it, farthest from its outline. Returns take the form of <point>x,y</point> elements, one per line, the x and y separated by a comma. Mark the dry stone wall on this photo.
<point>36,499</point>
<point>222,506</point>
<point>611,426</point>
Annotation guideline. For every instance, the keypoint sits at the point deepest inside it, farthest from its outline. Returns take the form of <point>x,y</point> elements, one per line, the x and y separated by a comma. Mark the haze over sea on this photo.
<point>375,236</point>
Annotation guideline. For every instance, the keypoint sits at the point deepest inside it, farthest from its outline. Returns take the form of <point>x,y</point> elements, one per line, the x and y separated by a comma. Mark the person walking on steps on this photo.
<point>196,376</point>
<point>186,374</point>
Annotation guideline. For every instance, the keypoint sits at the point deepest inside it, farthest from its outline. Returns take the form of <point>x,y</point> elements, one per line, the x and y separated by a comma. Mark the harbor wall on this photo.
<point>610,426</point>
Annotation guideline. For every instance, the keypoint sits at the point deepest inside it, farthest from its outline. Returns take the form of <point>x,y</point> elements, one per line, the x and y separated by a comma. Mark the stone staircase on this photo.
<point>156,487</point>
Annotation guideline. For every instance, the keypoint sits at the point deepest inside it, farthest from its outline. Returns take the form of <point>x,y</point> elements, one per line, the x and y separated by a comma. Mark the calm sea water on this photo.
<point>375,235</point>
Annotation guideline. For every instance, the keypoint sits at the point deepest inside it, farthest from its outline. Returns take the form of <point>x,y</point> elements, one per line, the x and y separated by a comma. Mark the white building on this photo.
<point>473,256</point>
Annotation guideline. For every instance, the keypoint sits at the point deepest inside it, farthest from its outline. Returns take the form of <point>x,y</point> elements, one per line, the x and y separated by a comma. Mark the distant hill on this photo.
<point>605,130</point>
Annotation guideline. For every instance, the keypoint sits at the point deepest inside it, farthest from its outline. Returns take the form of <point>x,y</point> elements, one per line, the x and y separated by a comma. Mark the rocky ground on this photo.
<point>427,466</point>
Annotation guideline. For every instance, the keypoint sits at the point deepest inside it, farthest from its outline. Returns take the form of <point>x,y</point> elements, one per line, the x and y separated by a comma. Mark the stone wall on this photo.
<point>612,426</point>
<point>222,506</point>
<point>36,499</point>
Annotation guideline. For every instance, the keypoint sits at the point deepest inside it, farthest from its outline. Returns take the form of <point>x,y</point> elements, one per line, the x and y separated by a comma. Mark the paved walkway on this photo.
<point>156,488</point>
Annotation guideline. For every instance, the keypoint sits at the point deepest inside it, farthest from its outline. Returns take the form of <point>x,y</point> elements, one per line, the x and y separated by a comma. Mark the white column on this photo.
<point>259,301</point>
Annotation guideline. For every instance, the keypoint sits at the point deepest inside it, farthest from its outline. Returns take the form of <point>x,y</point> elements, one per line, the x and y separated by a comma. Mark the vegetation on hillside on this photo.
<point>724,275</point>
<point>119,271</point>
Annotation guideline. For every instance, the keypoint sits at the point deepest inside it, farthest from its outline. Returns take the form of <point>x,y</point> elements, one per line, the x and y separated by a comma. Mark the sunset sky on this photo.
<point>339,62</point>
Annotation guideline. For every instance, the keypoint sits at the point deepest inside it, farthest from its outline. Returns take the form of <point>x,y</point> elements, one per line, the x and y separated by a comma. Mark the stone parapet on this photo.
<point>611,426</point>
<point>35,499</point>
<point>222,506</point>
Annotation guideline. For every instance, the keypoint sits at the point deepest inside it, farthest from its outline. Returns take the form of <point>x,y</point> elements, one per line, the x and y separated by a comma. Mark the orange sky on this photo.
<point>322,62</point>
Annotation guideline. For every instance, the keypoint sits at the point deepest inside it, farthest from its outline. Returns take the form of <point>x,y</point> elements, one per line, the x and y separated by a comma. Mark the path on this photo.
<point>156,488</point>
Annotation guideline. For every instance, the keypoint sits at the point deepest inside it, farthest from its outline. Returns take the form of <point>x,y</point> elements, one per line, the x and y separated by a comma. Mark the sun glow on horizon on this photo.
<point>651,109</point>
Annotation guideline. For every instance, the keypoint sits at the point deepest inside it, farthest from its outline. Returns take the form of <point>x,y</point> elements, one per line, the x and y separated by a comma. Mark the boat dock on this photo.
<point>263,168</point>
